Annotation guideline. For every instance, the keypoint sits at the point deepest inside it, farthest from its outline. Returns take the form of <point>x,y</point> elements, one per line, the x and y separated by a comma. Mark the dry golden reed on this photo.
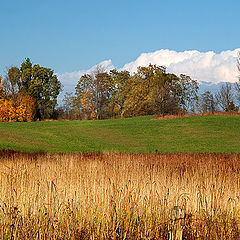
<point>182,115</point>
<point>118,196</point>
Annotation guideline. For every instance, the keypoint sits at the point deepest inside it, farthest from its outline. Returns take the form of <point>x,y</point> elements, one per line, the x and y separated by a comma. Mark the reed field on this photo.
<point>118,196</point>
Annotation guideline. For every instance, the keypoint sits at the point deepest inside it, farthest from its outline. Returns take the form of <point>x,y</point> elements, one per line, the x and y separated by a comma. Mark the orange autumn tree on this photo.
<point>5,106</point>
<point>7,111</point>
<point>21,110</point>
<point>87,106</point>
<point>25,108</point>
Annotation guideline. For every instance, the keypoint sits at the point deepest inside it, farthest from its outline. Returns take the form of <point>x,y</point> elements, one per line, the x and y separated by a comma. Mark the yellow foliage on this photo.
<point>88,105</point>
<point>26,108</point>
<point>21,111</point>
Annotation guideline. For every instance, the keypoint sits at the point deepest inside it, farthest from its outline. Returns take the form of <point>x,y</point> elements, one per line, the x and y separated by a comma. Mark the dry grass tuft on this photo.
<point>196,115</point>
<point>118,196</point>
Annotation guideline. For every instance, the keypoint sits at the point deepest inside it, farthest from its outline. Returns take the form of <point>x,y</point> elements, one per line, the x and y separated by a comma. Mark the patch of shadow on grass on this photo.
<point>16,139</point>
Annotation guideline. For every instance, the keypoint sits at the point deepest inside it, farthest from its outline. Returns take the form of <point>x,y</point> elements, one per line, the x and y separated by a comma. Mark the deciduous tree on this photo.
<point>43,86</point>
<point>225,98</point>
<point>207,102</point>
<point>121,88</point>
<point>147,91</point>
<point>13,76</point>
<point>29,92</point>
<point>21,110</point>
<point>153,91</point>
<point>186,90</point>
<point>98,88</point>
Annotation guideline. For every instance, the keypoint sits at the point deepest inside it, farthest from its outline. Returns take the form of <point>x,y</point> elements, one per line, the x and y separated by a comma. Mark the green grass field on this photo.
<point>142,134</point>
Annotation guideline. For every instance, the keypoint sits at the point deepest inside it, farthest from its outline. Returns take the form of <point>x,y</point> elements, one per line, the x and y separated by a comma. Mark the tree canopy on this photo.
<point>151,90</point>
<point>31,84</point>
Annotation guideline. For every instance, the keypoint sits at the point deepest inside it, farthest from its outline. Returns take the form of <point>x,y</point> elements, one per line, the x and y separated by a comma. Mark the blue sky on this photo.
<point>72,35</point>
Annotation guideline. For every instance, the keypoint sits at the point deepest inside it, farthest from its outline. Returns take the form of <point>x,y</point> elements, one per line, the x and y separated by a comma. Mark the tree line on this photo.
<point>149,91</point>
<point>30,93</point>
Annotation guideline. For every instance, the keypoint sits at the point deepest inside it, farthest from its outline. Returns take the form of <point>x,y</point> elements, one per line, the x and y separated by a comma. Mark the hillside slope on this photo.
<point>142,134</point>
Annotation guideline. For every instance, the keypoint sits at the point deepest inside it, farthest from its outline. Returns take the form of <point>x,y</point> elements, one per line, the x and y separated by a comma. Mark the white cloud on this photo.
<point>202,66</point>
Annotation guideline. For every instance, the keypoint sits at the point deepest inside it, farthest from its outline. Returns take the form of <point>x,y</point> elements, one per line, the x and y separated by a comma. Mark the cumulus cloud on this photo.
<point>202,66</point>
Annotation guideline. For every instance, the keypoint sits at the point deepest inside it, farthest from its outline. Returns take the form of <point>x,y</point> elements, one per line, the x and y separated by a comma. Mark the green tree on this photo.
<point>153,91</point>
<point>26,73</point>
<point>120,80</point>
<point>146,91</point>
<point>43,85</point>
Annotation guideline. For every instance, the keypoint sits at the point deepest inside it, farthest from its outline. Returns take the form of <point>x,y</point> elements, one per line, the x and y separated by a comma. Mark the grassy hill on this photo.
<point>142,134</point>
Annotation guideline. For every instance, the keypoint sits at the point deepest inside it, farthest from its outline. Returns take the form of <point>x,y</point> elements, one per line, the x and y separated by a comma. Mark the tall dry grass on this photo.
<point>182,115</point>
<point>118,196</point>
